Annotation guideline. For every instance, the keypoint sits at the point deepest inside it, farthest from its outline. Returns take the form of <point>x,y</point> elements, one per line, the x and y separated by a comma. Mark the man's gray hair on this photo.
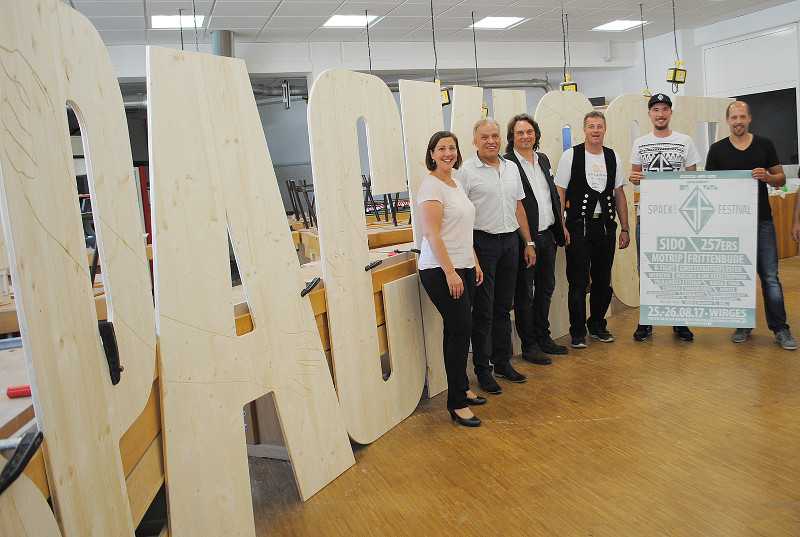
<point>481,122</point>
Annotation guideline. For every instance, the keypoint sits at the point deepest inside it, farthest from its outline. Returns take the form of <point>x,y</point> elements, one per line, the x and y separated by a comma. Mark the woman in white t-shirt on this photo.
<point>448,266</point>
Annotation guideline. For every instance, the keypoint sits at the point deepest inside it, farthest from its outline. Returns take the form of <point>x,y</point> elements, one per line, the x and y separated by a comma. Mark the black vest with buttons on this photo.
<point>581,198</point>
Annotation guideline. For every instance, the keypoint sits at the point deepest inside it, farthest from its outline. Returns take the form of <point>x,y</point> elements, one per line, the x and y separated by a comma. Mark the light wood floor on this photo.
<point>622,439</point>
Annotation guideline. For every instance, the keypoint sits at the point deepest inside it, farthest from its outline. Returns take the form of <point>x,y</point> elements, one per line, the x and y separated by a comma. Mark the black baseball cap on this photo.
<point>659,98</point>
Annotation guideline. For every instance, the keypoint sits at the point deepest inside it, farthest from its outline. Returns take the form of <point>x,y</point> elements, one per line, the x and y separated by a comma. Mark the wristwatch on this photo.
<point>531,243</point>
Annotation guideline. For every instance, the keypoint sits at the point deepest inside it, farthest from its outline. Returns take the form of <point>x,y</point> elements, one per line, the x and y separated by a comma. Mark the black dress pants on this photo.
<point>498,255</point>
<point>457,317</point>
<point>534,292</point>
<point>590,252</point>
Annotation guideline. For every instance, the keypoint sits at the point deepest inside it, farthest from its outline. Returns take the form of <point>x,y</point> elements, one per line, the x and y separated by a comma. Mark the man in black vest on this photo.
<point>590,181</point>
<point>535,285</point>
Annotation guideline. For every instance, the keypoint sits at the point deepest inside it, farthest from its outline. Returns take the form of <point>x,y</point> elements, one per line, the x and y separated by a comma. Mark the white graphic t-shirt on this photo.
<point>671,154</point>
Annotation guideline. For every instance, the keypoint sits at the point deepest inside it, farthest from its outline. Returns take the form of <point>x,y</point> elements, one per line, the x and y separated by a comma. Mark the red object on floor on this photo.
<point>14,392</point>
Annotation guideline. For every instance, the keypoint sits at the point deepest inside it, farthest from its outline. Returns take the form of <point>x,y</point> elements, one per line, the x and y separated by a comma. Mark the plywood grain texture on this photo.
<point>466,110</point>
<point>337,101</point>
<point>24,512</point>
<point>51,57</point>
<point>421,110</point>
<point>211,175</point>
<point>505,105</point>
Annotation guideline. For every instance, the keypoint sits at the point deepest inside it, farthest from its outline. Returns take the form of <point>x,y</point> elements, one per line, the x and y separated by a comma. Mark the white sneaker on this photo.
<point>785,340</point>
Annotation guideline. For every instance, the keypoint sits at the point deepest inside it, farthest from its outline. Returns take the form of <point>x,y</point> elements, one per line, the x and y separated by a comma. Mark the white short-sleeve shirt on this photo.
<point>494,192</point>
<point>458,220</point>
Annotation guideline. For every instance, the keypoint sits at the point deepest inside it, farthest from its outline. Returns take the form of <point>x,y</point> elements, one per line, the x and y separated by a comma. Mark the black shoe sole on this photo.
<point>538,361</point>
<point>598,338</point>
<point>560,352</point>
<point>517,381</point>
<point>493,391</point>
<point>478,401</point>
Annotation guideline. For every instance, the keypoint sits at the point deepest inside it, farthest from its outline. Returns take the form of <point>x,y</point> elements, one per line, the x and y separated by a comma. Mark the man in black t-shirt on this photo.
<point>745,151</point>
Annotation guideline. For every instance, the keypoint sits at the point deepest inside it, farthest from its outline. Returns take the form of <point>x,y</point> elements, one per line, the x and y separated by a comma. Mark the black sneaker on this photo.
<point>600,333</point>
<point>683,333</point>
<point>549,346</point>
<point>643,331</point>
<point>509,373</point>
<point>535,355</point>
<point>488,384</point>
<point>578,342</point>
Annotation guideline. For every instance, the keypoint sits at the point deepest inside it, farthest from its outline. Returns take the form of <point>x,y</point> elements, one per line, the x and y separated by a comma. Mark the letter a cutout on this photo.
<point>211,175</point>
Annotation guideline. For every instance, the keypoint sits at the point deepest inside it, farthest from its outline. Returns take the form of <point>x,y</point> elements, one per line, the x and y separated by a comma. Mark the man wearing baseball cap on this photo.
<point>662,150</point>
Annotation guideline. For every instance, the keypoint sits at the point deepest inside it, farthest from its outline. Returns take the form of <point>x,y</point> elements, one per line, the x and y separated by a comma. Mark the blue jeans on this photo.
<point>767,266</point>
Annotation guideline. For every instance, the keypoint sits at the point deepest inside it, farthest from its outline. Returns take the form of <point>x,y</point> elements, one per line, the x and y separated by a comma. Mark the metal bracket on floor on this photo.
<point>310,286</point>
<point>24,451</point>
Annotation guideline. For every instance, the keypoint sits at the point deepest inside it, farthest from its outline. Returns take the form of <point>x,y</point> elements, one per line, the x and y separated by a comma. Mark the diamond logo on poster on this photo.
<point>697,210</point>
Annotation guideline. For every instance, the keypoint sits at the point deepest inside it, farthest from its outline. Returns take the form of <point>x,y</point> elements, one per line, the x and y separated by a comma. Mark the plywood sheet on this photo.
<point>24,512</point>
<point>627,119</point>
<point>556,110</point>
<point>211,175</point>
<point>421,110</point>
<point>466,110</point>
<point>505,105</point>
<point>338,100</point>
<point>51,56</point>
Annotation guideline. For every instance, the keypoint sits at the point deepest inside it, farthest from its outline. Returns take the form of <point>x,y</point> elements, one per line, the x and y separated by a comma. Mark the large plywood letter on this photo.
<point>211,176</point>
<point>556,110</point>
<point>626,116</point>
<point>505,105</point>
<point>338,99</point>
<point>466,110</point>
<point>51,57</point>
<point>421,110</point>
<point>24,512</point>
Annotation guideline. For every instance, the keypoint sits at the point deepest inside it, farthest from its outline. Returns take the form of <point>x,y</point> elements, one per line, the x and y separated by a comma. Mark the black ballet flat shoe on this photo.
<point>466,422</point>
<point>476,401</point>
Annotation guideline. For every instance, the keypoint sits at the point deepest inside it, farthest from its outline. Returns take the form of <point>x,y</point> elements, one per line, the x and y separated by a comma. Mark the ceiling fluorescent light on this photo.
<point>618,26</point>
<point>176,21</point>
<point>496,23</point>
<point>349,21</point>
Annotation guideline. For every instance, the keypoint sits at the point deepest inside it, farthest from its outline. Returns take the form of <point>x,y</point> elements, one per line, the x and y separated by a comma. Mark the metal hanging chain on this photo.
<point>435,55</point>
<point>564,42</point>
<point>194,21</point>
<point>675,31</point>
<point>180,25</point>
<point>369,45</point>
<point>644,51</point>
<point>475,50</point>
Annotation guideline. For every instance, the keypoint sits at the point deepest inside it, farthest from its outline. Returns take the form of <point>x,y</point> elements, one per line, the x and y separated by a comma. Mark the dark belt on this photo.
<point>495,235</point>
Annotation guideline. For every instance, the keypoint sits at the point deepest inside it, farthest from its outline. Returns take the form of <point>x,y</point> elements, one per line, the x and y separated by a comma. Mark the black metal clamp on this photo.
<point>109,339</point>
<point>310,286</point>
<point>23,454</point>
<point>373,265</point>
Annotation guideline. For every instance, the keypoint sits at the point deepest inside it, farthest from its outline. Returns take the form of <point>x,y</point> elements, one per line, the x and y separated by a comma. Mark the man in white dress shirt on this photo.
<point>494,187</point>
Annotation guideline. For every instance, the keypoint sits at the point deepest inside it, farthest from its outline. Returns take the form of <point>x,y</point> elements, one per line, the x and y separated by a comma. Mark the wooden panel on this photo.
<point>421,110</point>
<point>624,115</point>
<point>338,99</point>
<point>52,56</point>
<point>689,111</point>
<point>782,214</point>
<point>505,105</point>
<point>14,413</point>
<point>554,111</point>
<point>406,343</point>
<point>146,479</point>
<point>24,512</point>
<point>466,110</point>
<point>217,164</point>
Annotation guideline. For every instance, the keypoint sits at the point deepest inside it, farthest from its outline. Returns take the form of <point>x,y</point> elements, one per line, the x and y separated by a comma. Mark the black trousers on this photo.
<point>491,320</point>
<point>457,317</point>
<point>590,253</point>
<point>534,292</point>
